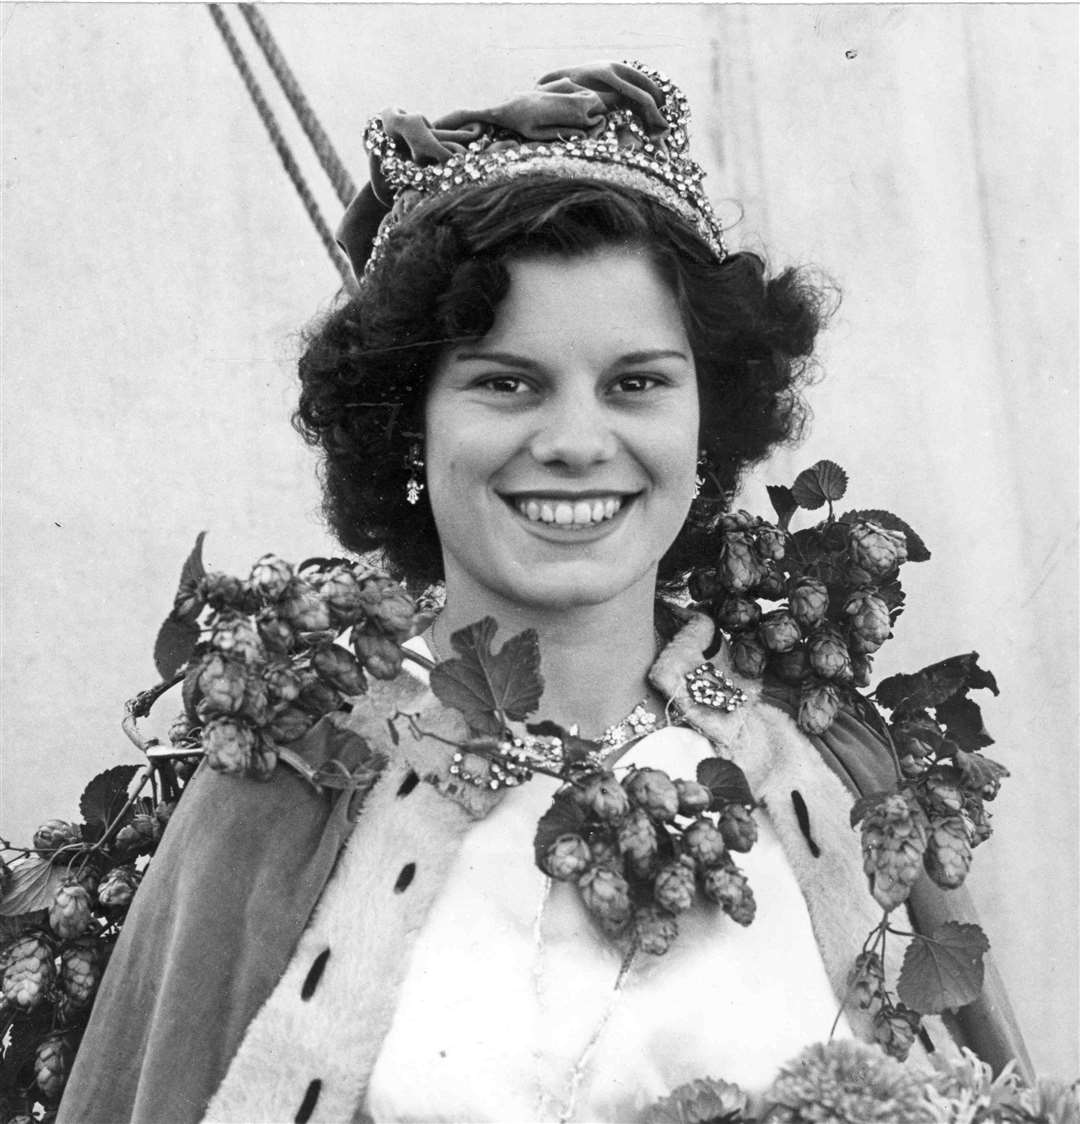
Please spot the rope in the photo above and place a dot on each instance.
(280, 144)
(324, 149)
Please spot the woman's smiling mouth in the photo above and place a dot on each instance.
(568, 513)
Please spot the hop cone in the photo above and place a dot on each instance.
(142, 832)
(607, 896)
(637, 840)
(738, 827)
(748, 654)
(341, 591)
(222, 683)
(654, 929)
(54, 834)
(738, 567)
(282, 684)
(317, 697)
(703, 842)
(303, 608)
(869, 617)
(778, 631)
(223, 591)
(379, 654)
(875, 549)
(80, 970)
(866, 980)
(818, 705)
(270, 576)
(181, 730)
(654, 791)
(770, 585)
(235, 635)
(118, 887)
(29, 970)
(604, 797)
(737, 521)
(388, 607)
(894, 836)
(228, 743)
(943, 793)
(895, 1029)
(735, 613)
(808, 602)
(729, 887)
(567, 858)
(264, 757)
(673, 887)
(339, 668)
(917, 737)
(276, 634)
(51, 1064)
(69, 914)
(604, 851)
(289, 724)
(772, 543)
(828, 654)
(704, 1101)
(948, 852)
(862, 667)
(981, 775)
(694, 797)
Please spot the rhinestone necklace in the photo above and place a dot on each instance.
(521, 755)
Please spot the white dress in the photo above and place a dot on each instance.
(510, 998)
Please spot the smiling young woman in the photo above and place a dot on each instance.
(547, 385)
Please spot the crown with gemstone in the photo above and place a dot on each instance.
(620, 149)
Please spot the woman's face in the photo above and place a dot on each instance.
(561, 448)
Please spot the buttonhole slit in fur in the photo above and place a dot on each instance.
(409, 783)
(311, 981)
(307, 1105)
(405, 877)
(803, 816)
(926, 1040)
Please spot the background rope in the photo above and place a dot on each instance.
(281, 145)
(322, 144)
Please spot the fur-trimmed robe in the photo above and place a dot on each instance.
(203, 1013)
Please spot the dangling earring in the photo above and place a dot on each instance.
(416, 467)
(699, 479)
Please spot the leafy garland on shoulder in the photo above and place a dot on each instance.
(261, 660)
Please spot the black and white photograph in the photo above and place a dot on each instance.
(539, 563)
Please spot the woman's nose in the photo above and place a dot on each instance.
(575, 430)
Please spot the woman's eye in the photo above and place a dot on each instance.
(634, 384)
(504, 384)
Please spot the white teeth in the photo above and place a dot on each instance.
(564, 513)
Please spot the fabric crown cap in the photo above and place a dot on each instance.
(622, 123)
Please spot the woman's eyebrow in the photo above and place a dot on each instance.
(506, 358)
(510, 359)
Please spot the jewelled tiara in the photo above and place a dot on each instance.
(620, 123)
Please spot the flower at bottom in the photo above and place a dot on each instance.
(848, 1082)
(706, 1101)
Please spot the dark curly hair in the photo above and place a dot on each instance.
(440, 280)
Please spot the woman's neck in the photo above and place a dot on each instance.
(594, 658)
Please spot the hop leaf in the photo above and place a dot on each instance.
(564, 817)
(32, 886)
(481, 683)
(784, 503)
(106, 794)
(931, 686)
(725, 780)
(823, 481)
(176, 640)
(944, 970)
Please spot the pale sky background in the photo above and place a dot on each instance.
(158, 267)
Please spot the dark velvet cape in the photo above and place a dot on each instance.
(229, 892)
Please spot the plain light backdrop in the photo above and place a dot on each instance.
(158, 267)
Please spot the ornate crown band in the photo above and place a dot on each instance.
(621, 123)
